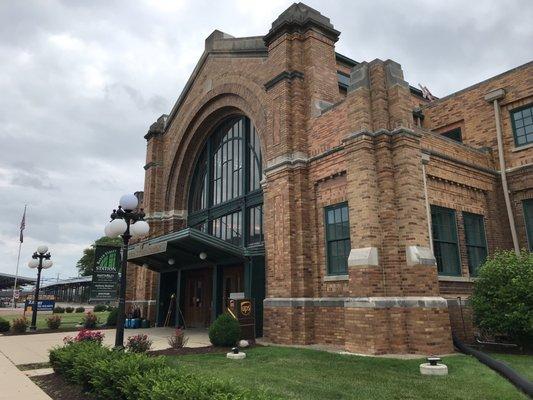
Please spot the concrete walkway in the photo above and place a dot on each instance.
(16, 385)
(27, 349)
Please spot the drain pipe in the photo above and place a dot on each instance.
(425, 161)
(494, 97)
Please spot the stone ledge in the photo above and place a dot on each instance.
(357, 302)
(336, 278)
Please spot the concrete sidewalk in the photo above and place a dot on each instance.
(27, 349)
(16, 385)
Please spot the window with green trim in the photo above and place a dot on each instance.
(522, 121)
(528, 216)
(476, 243)
(445, 243)
(454, 134)
(338, 245)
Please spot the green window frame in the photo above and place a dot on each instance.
(522, 122)
(476, 241)
(527, 206)
(338, 244)
(454, 134)
(445, 242)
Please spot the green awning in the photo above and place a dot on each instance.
(184, 247)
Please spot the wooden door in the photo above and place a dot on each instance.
(232, 281)
(197, 298)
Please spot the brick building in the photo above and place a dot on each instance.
(350, 208)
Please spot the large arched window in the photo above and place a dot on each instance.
(225, 198)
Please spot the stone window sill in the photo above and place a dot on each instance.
(524, 147)
(335, 278)
(444, 278)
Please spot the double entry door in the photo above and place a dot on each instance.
(197, 297)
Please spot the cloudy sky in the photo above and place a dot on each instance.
(81, 81)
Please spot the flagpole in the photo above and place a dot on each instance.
(22, 227)
(16, 275)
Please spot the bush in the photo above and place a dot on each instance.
(58, 310)
(19, 325)
(118, 375)
(4, 325)
(90, 320)
(138, 343)
(225, 331)
(178, 339)
(503, 296)
(85, 335)
(80, 309)
(112, 317)
(100, 308)
(53, 321)
(69, 310)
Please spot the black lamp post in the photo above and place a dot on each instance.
(40, 259)
(127, 223)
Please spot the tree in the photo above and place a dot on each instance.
(86, 262)
(503, 296)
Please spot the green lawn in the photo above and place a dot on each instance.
(523, 364)
(67, 320)
(310, 374)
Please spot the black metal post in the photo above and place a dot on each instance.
(33, 325)
(121, 316)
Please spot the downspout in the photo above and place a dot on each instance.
(494, 97)
(425, 161)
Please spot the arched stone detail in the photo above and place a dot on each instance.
(223, 101)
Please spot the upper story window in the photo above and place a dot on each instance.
(225, 197)
(445, 243)
(522, 121)
(476, 243)
(454, 134)
(337, 225)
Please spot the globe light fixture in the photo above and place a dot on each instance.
(126, 222)
(202, 255)
(40, 260)
(171, 261)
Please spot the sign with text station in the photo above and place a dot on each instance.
(105, 273)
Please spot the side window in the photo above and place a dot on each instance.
(476, 243)
(445, 244)
(528, 216)
(522, 121)
(337, 227)
(454, 134)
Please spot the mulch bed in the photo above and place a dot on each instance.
(189, 350)
(58, 389)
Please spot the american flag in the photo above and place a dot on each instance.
(22, 225)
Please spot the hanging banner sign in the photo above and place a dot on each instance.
(104, 286)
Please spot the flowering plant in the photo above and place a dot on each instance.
(90, 320)
(85, 335)
(53, 321)
(178, 340)
(139, 343)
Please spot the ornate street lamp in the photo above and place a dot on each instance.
(40, 259)
(127, 223)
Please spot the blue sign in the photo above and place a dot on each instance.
(42, 305)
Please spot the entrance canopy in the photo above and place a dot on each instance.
(183, 248)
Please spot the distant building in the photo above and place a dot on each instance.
(73, 290)
(353, 210)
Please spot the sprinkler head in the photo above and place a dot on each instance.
(433, 360)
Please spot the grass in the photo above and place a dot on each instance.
(523, 364)
(68, 320)
(310, 374)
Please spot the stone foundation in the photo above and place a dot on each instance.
(367, 325)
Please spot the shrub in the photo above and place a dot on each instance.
(4, 325)
(503, 296)
(225, 331)
(100, 308)
(19, 325)
(85, 335)
(178, 339)
(112, 317)
(138, 343)
(53, 321)
(58, 310)
(90, 320)
(69, 310)
(80, 309)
